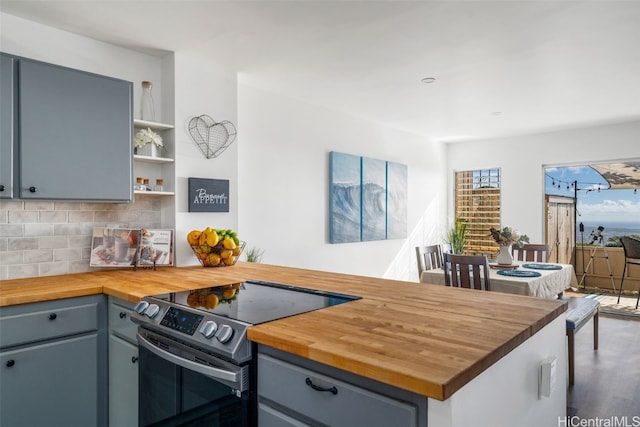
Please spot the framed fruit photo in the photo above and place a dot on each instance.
(215, 247)
(114, 247)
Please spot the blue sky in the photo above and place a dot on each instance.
(604, 206)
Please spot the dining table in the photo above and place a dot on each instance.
(544, 280)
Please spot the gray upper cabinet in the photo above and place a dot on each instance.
(74, 134)
(7, 100)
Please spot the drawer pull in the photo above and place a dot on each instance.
(1, 187)
(134, 359)
(53, 316)
(123, 314)
(10, 363)
(33, 189)
(332, 390)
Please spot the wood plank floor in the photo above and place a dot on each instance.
(607, 381)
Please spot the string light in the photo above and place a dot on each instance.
(571, 185)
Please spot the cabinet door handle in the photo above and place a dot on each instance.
(134, 359)
(332, 390)
(10, 363)
(32, 189)
(53, 316)
(123, 314)
(1, 187)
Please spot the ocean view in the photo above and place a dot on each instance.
(610, 229)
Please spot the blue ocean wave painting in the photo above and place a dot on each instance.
(345, 210)
(397, 180)
(368, 199)
(345, 195)
(374, 206)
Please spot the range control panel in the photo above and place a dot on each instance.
(209, 332)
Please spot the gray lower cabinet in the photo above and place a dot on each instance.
(123, 365)
(72, 133)
(7, 125)
(293, 391)
(53, 364)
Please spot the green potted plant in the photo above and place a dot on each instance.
(254, 254)
(457, 236)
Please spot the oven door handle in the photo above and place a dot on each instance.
(209, 371)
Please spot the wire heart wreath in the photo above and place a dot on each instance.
(211, 137)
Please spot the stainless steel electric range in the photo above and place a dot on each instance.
(196, 364)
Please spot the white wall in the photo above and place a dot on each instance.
(522, 159)
(284, 185)
(201, 87)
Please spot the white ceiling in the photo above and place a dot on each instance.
(501, 67)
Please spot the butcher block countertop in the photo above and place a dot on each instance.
(430, 340)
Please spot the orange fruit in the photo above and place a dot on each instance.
(211, 301)
(202, 239)
(193, 238)
(229, 260)
(213, 259)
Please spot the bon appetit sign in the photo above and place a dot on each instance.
(208, 195)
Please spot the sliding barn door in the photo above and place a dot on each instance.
(561, 228)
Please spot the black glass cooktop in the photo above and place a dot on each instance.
(256, 302)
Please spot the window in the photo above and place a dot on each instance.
(477, 201)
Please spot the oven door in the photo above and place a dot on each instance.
(181, 386)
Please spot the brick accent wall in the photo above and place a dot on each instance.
(50, 238)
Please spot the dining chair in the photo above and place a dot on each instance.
(631, 248)
(429, 258)
(531, 252)
(467, 271)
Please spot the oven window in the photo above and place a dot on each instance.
(174, 396)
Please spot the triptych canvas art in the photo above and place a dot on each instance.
(368, 199)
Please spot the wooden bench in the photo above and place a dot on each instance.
(579, 311)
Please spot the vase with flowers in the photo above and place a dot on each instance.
(147, 143)
(507, 237)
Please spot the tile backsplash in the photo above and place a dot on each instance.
(49, 238)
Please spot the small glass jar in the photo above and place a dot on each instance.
(139, 183)
(159, 184)
(146, 185)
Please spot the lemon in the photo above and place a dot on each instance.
(212, 238)
(228, 243)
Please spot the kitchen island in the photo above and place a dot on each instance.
(474, 355)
